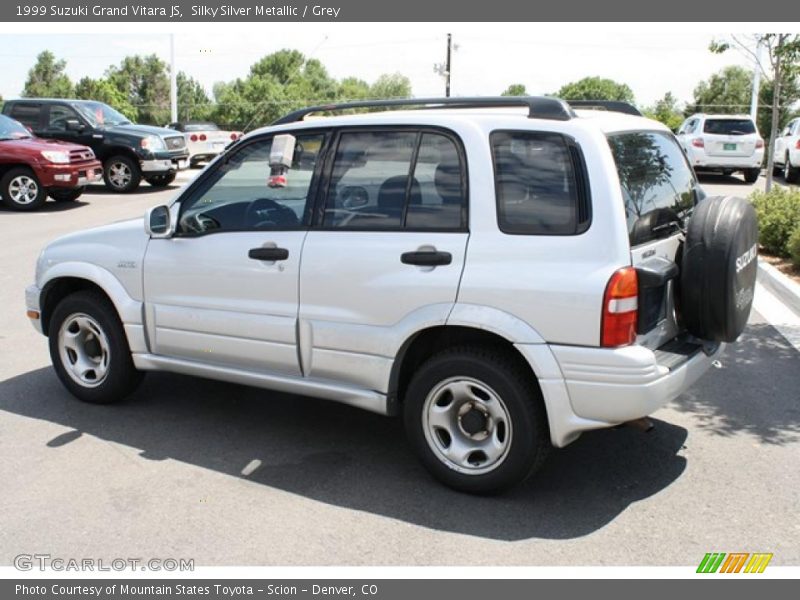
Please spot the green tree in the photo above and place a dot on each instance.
(390, 86)
(666, 111)
(193, 101)
(596, 88)
(353, 88)
(727, 91)
(103, 91)
(144, 81)
(47, 78)
(515, 89)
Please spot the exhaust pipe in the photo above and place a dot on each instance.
(643, 424)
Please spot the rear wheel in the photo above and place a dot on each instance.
(751, 175)
(21, 190)
(475, 418)
(89, 350)
(66, 195)
(790, 174)
(121, 174)
(161, 180)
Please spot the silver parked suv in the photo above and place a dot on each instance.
(505, 273)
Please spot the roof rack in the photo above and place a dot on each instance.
(539, 107)
(609, 105)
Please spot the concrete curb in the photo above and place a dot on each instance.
(786, 290)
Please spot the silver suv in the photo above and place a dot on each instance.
(505, 273)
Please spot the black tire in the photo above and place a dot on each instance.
(21, 190)
(121, 174)
(161, 180)
(66, 195)
(751, 175)
(718, 272)
(790, 173)
(121, 378)
(528, 441)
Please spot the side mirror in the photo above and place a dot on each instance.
(160, 221)
(74, 125)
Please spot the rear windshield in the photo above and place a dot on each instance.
(658, 185)
(729, 126)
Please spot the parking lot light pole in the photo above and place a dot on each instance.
(173, 81)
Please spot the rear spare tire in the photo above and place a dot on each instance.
(718, 274)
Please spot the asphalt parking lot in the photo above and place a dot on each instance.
(229, 475)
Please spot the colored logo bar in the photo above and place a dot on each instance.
(734, 562)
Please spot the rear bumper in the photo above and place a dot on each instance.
(701, 160)
(69, 175)
(617, 385)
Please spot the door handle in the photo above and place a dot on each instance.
(426, 258)
(268, 253)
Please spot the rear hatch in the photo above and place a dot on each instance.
(729, 136)
(660, 190)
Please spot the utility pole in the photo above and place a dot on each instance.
(756, 84)
(173, 80)
(776, 103)
(447, 65)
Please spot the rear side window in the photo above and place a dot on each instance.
(539, 184)
(729, 126)
(658, 185)
(27, 114)
(393, 180)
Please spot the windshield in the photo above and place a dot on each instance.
(12, 130)
(100, 115)
(200, 127)
(729, 126)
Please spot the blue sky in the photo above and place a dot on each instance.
(485, 62)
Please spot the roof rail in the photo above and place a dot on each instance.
(609, 105)
(539, 107)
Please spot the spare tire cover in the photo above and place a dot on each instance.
(718, 272)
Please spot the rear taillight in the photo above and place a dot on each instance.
(234, 136)
(797, 144)
(698, 143)
(759, 143)
(193, 138)
(202, 137)
(620, 309)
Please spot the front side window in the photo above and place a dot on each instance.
(537, 187)
(58, 117)
(658, 185)
(389, 180)
(237, 197)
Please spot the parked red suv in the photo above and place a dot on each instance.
(32, 168)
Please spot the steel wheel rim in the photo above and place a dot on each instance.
(84, 350)
(474, 444)
(23, 189)
(119, 174)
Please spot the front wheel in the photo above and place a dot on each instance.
(161, 180)
(475, 418)
(751, 175)
(121, 174)
(21, 190)
(66, 195)
(89, 350)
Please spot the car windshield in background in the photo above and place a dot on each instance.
(658, 185)
(12, 130)
(100, 115)
(200, 127)
(729, 127)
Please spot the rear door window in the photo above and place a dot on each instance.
(27, 114)
(658, 185)
(729, 127)
(539, 185)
